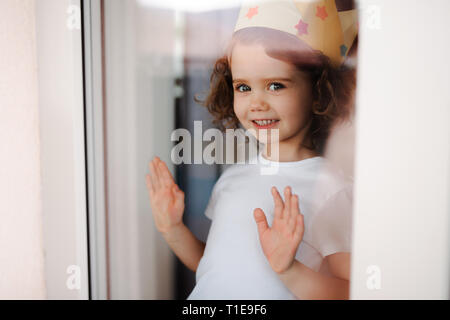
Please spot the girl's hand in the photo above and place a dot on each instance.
(280, 242)
(166, 199)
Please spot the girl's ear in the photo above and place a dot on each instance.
(316, 108)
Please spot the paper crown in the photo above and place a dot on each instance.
(326, 25)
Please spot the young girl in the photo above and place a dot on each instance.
(270, 79)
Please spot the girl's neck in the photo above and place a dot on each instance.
(287, 153)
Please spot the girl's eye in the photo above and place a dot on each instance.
(273, 86)
(243, 87)
(276, 86)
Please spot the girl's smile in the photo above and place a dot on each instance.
(265, 123)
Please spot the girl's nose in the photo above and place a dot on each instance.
(258, 104)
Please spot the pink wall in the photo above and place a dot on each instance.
(21, 232)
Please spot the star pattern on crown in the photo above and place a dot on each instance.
(322, 12)
(251, 12)
(302, 27)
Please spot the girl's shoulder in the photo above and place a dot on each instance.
(330, 181)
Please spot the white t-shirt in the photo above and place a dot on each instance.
(233, 265)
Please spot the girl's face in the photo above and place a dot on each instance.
(270, 93)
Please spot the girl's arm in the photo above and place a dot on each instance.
(280, 243)
(306, 283)
(339, 264)
(167, 202)
(185, 245)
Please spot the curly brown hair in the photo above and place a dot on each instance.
(332, 86)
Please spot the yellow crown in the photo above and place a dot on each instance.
(326, 25)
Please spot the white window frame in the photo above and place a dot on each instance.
(401, 247)
(94, 107)
(62, 143)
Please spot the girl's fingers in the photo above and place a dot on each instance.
(154, 175)
(287, 203)
(279, 206)
(261, 221)
(299, 228)
(166, 177)
(179, 197)
(148, 182)
(295, 205)
(294, 213)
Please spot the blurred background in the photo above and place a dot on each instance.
(90, 92)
